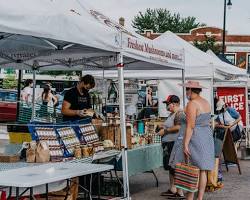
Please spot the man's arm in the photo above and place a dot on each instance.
(66, 105)
(67, 111)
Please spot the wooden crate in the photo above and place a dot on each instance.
(107, 133)
(98, 124)
(118, 138)
(9, 158)
(113, 133)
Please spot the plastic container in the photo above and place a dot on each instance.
(141, 128)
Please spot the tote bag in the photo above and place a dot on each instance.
(186, 177)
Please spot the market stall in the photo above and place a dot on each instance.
(53, 36)
(204, 66)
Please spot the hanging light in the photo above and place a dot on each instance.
(229, 4)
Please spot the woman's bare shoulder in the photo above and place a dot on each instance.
(191, 105)
(205, 105)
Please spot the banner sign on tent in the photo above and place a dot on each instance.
(235, 98)
(149, 48)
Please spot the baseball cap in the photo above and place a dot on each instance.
(220, 105)
(172, 99)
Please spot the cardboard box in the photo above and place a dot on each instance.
(60, 195)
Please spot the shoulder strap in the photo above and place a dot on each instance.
(224, 118)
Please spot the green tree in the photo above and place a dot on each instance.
(208, 43)
(9, 82)
(161, 20)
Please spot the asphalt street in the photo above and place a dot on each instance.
(236, 187)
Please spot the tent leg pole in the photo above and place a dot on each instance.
(212, 101)
(18, 93)
(123, 126)
(183, 88)
(247, 117)
(33, 96)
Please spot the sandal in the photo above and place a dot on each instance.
(177, 196)
(168, 193)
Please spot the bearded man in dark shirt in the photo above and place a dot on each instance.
(77, 103)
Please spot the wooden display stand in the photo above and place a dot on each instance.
(113, 133)
(229, 151)
(98, 124)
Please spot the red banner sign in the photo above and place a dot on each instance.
(234, 97)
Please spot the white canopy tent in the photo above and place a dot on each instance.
(199, 65)
(65, 35)
(237, 74)
(199, 61)
(54, 32)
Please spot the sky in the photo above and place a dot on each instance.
(209, 12)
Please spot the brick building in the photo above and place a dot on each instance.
(237, 46)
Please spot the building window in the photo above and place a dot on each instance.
(248, 63)
(28, 71)
(231, 58)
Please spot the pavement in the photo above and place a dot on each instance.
(236, 187)
(143, 186)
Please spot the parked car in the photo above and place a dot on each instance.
(8, 105)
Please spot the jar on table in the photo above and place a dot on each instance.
(85, 151)
(78, 153)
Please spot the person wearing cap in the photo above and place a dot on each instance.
(195, 141)
(227, 117)
(169, 133)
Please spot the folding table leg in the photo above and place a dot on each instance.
(47, 191)
(99, 185)
(90, 189)
(85, 183)
(31, 193)
(118, 179)
(156, 178)
(17, 193)
(68, 188)
(10, 193)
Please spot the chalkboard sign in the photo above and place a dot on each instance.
(229, 151)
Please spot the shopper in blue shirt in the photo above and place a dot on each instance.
(227, 117)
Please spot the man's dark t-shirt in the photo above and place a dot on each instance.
(77, 101)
